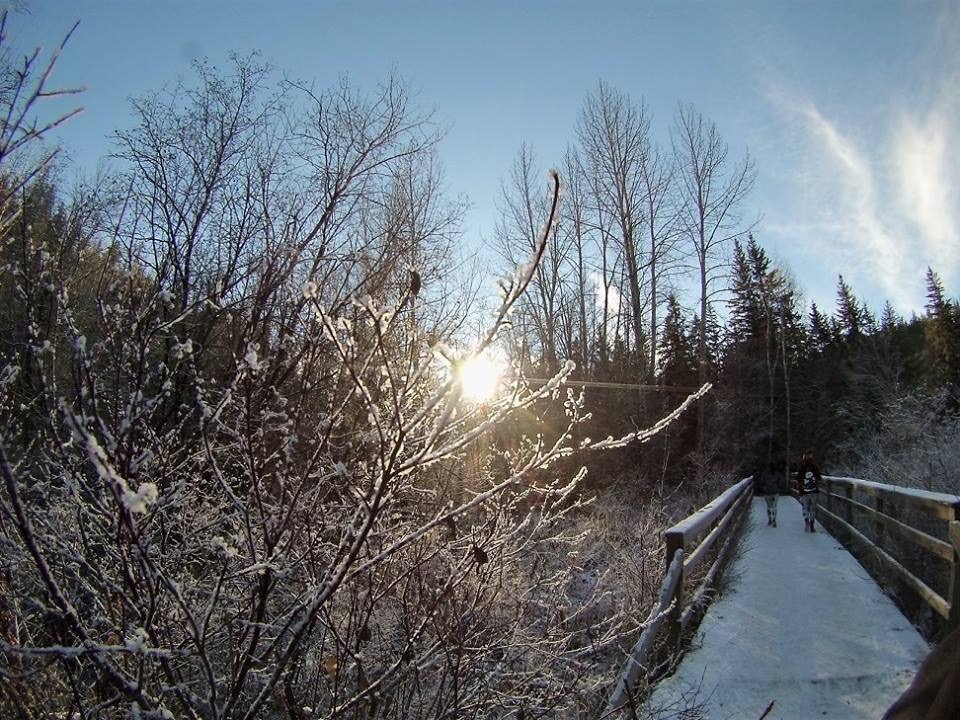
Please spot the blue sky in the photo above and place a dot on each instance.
(850, 109)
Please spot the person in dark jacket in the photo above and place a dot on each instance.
(808, 487)
(768, 485)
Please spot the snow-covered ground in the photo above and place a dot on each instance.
(804, 626)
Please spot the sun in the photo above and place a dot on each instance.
(479, 377)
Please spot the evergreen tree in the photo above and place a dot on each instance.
(868, 321)
(849, 316)
(821, 331)
(942, 333)
(937, 304)
(889, 318)
(789, 320)
(768, 283)
(714, 341)
(678, 363)
(744, 303)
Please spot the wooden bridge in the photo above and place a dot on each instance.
(802, 630)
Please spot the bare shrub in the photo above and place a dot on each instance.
(237, 463)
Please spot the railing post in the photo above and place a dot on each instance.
(830, 502)
(848, 511)
(878, 526)
(954, 532)
(674, 542)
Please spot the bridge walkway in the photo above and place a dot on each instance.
(803, 626)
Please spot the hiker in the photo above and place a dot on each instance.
(768, 485)
(808, 486)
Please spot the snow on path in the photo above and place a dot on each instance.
(804, 626)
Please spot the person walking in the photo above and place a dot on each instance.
(808, 488)
(769, 486)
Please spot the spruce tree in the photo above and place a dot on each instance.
(678, 363)
(849, 316)
(744, 303)
(942, 333)
(889, 318)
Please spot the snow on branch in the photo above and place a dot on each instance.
(642, 436)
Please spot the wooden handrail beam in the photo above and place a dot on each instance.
(939, 505)
(941, 606)
(696, 525)
(699, 598)
(698, 553)
(934, 545)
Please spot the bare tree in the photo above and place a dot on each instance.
(711, 190)
(576, 226)
(608, 258)
(659, 219)
(613, 135)
(24, 88)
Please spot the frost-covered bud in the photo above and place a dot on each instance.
(137, 643)
(251, 359)
(223, 547)
(180, 350)
(139, 501)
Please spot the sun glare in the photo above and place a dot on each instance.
(480, 376)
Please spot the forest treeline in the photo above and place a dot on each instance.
(653, 279)
(239, 477)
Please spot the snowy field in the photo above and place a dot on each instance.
(804, 627)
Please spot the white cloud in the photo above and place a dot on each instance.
(613, 303)
(872, 182)
(927, 185)
(880, 204)
(852, 216)
(613, 297)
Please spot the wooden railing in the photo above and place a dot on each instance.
(857, 507)
(688, 544)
